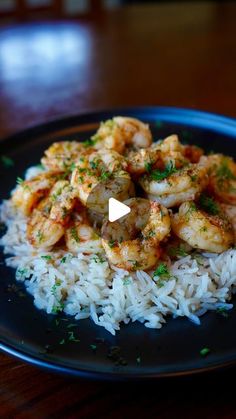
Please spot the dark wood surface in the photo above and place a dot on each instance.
(175, 54)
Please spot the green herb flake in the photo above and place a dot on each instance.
(94, 164)
(204, 351)
(112, 243)
(99, 259)
(74, 234)
(62, 342)
(63, 260)
(71, 325)
(39, 236)
(126, 281)
(223, 311)
(7, 162)
(193, 178)
(105, 175)
(224, 174)
(162, 271)
(93, 347)
(177, 251)
(148, 166)
(163, 174)
(72, 337)
(46, 257)
(208, 204)
(57, 309)
(19, 180)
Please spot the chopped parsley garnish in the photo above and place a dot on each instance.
(223, 311)
(99, 259)
(163, 174)
(74, 234)
(94, 164)
(89, 143)
(21, 272)
(205, 351)
(19, 180)
(57, 308)
(46, 257)
(54, 287)
(209, 205)
(162, 270)
(111, 243)
(63, 260)
(93, 347)
(177, 251)
(148, 166)
(69, 326)
(193, 178)
(7, 162)
(224, 173)
(105, 175)
(39, 236)
(72, 337)
(135, 264)
(126, 281)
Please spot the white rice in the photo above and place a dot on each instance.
(85, 286)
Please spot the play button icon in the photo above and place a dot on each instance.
(116, 210)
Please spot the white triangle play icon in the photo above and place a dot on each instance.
(116, 210)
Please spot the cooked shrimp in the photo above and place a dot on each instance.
(81, 237)
(202, 230)
(133, 242)
(62, 198)
(160, 154)
(172, 187)
(222, 178)
(119, 132)
(42, 232)
(230, 211)
(29, 192)
(63, 155)
(101, 177)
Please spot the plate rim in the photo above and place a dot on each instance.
(214, 121)
(191, 117)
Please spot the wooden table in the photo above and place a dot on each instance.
(175, 54)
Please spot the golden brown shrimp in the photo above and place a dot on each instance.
(48, 221)
(43, 232)
(121, 132)
(230, 211)
(62, 199)
(203, 230)
(81, 237)
(29, 192)
(160, 154)
(222, 177)
(63, 155)
(133, 242)
(171, 187)
(100, 177)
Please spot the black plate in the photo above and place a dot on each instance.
(136, 352)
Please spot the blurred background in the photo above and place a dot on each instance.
(63, 57)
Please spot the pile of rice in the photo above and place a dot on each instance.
(86, 286)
